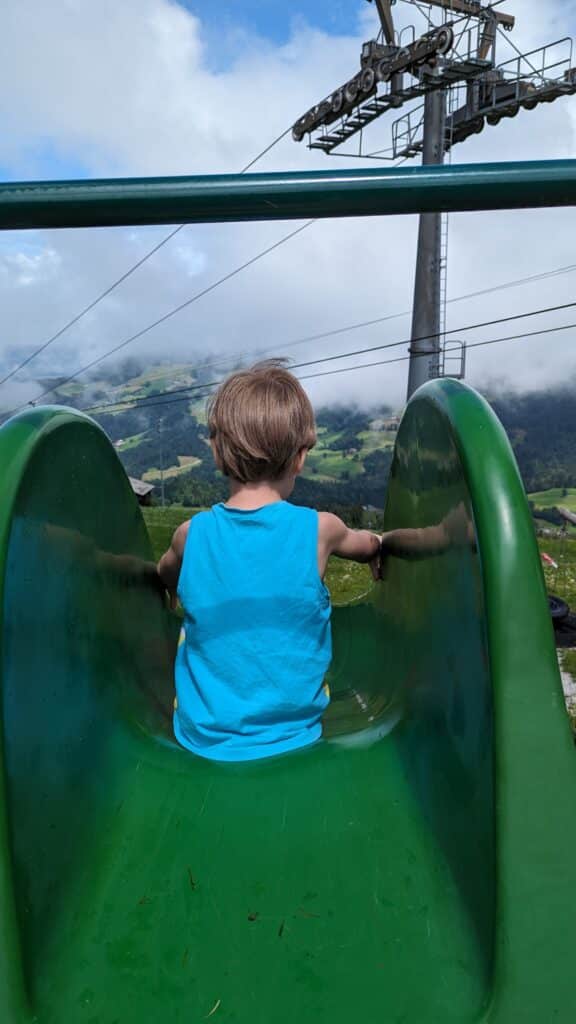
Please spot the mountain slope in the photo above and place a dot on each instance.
(351, 460)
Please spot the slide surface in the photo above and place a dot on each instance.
(417, 870)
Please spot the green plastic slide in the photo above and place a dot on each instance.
(416, 867)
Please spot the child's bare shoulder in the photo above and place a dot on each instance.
(331, 529)
(179, 537)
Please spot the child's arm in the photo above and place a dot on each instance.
(430, 540)
(170, 564)
(455, 530)
(335, 538)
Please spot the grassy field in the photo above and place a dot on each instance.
(331, 465)
(376, 440)
(129, 442)
(186, 462)
(161, 523)
(325, 463)
(345, 580)
(555, 496)
(561, 581)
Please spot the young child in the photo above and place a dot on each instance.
(256, 642)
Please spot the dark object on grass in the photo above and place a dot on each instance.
(565, 632)
(559, 610)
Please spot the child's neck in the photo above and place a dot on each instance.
(256, 495)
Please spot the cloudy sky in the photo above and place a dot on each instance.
(159, 87)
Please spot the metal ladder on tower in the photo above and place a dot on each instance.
(452, 361)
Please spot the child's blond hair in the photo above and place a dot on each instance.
(259, 420)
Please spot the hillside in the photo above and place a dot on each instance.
(542, 428)
(348, 466)
(351, 461)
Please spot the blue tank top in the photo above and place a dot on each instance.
(256, 642)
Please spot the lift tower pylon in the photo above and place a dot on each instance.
(452, 68)
(427, 310)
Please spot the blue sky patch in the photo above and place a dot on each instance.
(273, 19)
(45, 162)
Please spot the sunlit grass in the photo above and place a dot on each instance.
(561, 581)
(347, 580)
(555, 496)
(186, 463)
(129, 442)
(161, 523)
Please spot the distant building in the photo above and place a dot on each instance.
(385, 423)
(142, 490)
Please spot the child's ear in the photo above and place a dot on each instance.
(300, 460)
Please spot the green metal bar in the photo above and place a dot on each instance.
(294, 196)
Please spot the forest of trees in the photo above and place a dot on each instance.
(542, 428)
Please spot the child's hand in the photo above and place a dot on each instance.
(377, 564)
(172, 598)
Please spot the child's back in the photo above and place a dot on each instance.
(256, 639)
(256, 646)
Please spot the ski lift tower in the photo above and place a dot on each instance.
(452, 67)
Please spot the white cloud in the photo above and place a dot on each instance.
(128, 89)
(28, 266)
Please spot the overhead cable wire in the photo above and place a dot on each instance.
(533, 278)
(123, 277)
(183, 305)
(208, 388)
(91, 305)
(147, 401)
(143, 260)
(476, 344)
(263, 152)
(167, 316)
